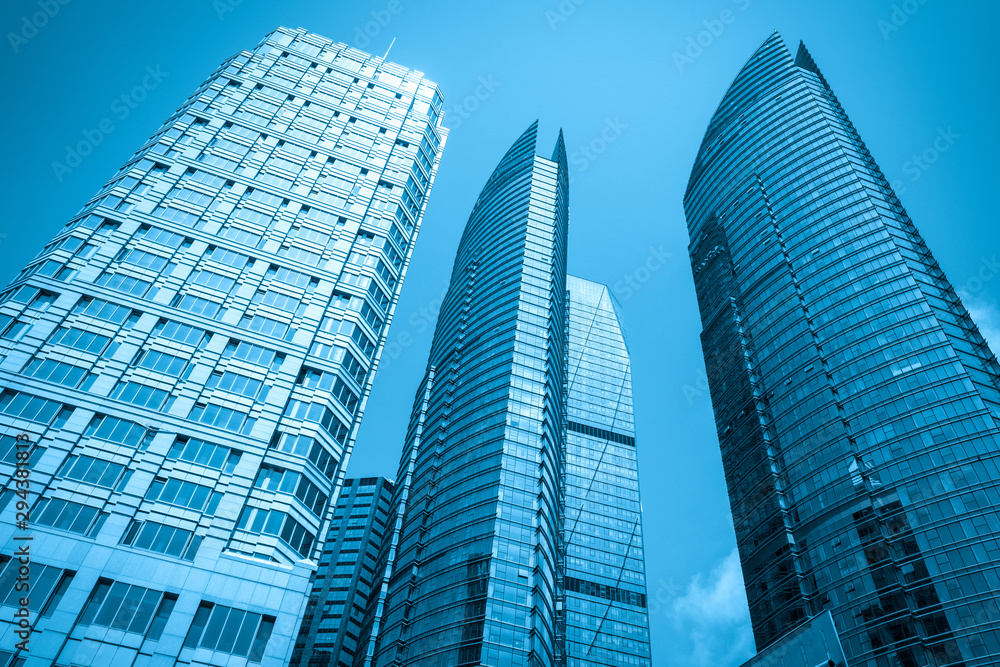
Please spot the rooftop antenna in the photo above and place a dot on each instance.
(389, 49)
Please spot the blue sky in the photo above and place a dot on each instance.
(633, 97)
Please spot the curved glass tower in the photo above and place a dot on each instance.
(857, 404)
(478, 538)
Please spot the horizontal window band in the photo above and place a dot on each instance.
(602, 433)
(605, 592)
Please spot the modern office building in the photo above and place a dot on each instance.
(370, 633)
(516, 536)
(605, 620)
(479, 542)
(331, 626)
(856, 402)
(184, 367)
(812, 644)
(605, 574)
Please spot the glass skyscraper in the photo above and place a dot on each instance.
(479, 545)
(515, 533)
(605, 574)
(331, 626)
(602, 569)
(184, 367)
(814, 643)
(856, 402)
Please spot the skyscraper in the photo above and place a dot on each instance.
(331, 626)
(856, 401)
(605, 618)
(605, 576)
(479, 543)
(186, 364)
(517, 536)
(811, 644)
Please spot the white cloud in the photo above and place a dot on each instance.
(986, 316)
(713, 613)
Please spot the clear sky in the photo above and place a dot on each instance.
(633, 103)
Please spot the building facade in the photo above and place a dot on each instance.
(184, 367)
(605, 573)
(331, 626)
(516, 535)
(813, 644)
(856, 402)
(478, 544)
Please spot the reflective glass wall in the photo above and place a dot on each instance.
(605, 573)
(331, 627)
(185, 365)
(856, 402)
(478, 541)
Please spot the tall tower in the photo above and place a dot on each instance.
(605, 574)
(474, 579)
(331, 626)
(856, 402)
(184, 367)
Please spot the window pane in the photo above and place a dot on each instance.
(83, 519)
(110, 607)
(199, 497)
(65, 518)
(110, 475)
(128, 608)
(97, 468)
(160, 620)
(96, 599)
(146, 536)
(80, 466)
(177, 542)
(260, 641)
(215, 625)
(198, 625)
(53, 603)
(42, 586)
(247, 632)
(184, 493)
(169, 492)
(7, 582)
(162, 539)
(230, 631)
(144, 611)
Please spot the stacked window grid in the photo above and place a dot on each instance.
(482, 464)
(331, 632)
(606, 607)
(181, 302)
(855, 399)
